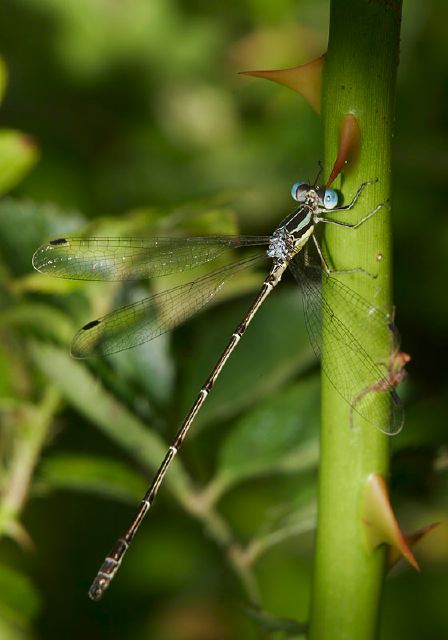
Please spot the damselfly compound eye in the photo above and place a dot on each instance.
(330, 199)
(299, 191)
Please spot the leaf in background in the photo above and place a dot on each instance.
(272, 350)
(16, 377)
(302, 507)
(92, 36)
(19, 600)
(18, 154)
(279, 436)
(149, 365)
(25, 225)
(101, 476)
(156, 550)
(42, 319)
(204, 217)
(10, 631)
(86, 394)
(419, 416)
(287, 628)
(34, 282)
(3, 78)
(8, 373)
(286, 521)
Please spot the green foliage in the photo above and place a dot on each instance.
(3, 78)
(280, 435)
(280, 627)
(91, 474)
(18, 154)
(86, 393)
(25, 225)
(19, 602)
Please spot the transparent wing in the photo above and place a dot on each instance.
(359, 376)
(144, 320)
(132, 258)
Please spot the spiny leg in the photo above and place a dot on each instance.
(361, 188)
(347, 225)
(332, 272)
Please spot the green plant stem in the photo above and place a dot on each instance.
(33, 426)
(359, 78)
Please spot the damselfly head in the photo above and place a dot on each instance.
(299, 191)
(327, 198)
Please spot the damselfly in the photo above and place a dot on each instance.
(357, 374)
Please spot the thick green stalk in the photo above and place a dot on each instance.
(359, 78)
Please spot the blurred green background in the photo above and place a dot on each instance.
(129, 118)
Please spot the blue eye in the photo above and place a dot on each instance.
(330, 199)
(299, 191)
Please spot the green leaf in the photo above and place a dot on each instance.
(285, 627)
(25, 225)
(89, 40)
(279, 436)
(150, 366)
(204, 217)
(101, 476)
(86, 394)
(19, 600)
(8, 374)
(18, 154)
(415, 432)
(44, 320)
(149, 568)
(10, 631)
(287, 521)
(3, 78)
(272, 350)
